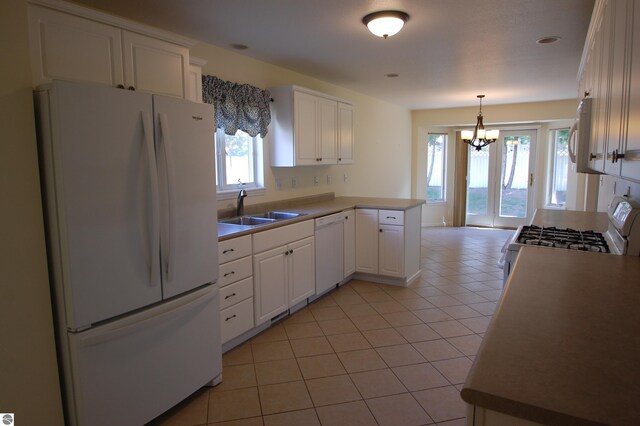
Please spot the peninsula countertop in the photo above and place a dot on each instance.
(563, 346)
(311, 210)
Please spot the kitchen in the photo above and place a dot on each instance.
(394, 180)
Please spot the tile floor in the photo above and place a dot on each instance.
(366, 354)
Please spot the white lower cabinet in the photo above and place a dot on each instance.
(236, 287)
(284, 269)
(388, 243)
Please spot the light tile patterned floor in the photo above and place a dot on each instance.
(366, 354)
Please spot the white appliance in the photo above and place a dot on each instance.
(580, 137)
(621, 238)
(129, 193)
(329, 252)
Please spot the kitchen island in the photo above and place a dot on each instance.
(563, 345)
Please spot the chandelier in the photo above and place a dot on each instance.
(479, 137)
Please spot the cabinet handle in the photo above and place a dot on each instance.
(120, 86)
(227, 251)
(615, 156)
(391, 217)
(131, 88)
(231, 317)
(229, 273)
(339, 159)
(381, 230)
(229, 296)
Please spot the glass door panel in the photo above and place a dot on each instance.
(479, 188)
(516, 165)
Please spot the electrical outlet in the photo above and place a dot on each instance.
(293, 182)
(278, 184)
(328, 179)
(316, 180)
(345, 177)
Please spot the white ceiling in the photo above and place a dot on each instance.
(448, 52)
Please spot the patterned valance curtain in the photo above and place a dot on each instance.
(237, 106)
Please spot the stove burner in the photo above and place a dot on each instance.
(563, 238)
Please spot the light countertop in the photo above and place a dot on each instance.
(311, 210)
(564, 344)
(581, 221)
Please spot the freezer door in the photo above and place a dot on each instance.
(130, 371)
(96, 143)
(186, 170)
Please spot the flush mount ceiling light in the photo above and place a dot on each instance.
(479, 137)
(385, 23)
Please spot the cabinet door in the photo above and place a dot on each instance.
(619, 76)
(302, 272)
(631, 162)
(328, 131)
(195, 83)
(269, 284)
(157, 66)
(349, 243)
(68, 47)
(367, 241)
(391, 250)
(345, 133)
(601, 92)
(305, 123)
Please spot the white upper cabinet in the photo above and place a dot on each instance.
(345, 133)
(70, 42)
(194, 85)
(72, 48)
(156, 66)
(308, 128)
(631, 162)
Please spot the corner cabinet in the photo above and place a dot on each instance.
(70, 42)
(310, 128)
(284, 269)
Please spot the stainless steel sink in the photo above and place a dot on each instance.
(259, 218)
(248, 220)
(277, 215)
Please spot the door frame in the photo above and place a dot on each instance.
(492, 217)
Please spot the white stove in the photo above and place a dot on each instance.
(621, 238)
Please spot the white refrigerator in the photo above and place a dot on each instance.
(130, 206)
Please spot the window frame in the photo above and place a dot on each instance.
(552, 169)
(228, 190)
(443, 199)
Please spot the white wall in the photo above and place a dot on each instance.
(382, 166)
(29, 385)
(542, 115)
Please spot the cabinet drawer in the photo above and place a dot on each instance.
(234, 249)
(272, 238)
(237, 270)
(391, 217)
(234, 293)
(236, 319)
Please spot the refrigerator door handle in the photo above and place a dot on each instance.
(146, 319)
(155, 207)
(169, 231)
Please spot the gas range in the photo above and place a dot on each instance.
(621, 238)
(563, 238)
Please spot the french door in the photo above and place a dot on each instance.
(500, 181)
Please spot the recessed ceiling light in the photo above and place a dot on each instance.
(238, 46)
(547, 40)
(391, 75)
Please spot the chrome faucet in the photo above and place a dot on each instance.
(240, 208)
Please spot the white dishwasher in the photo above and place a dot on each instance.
(329, 252)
